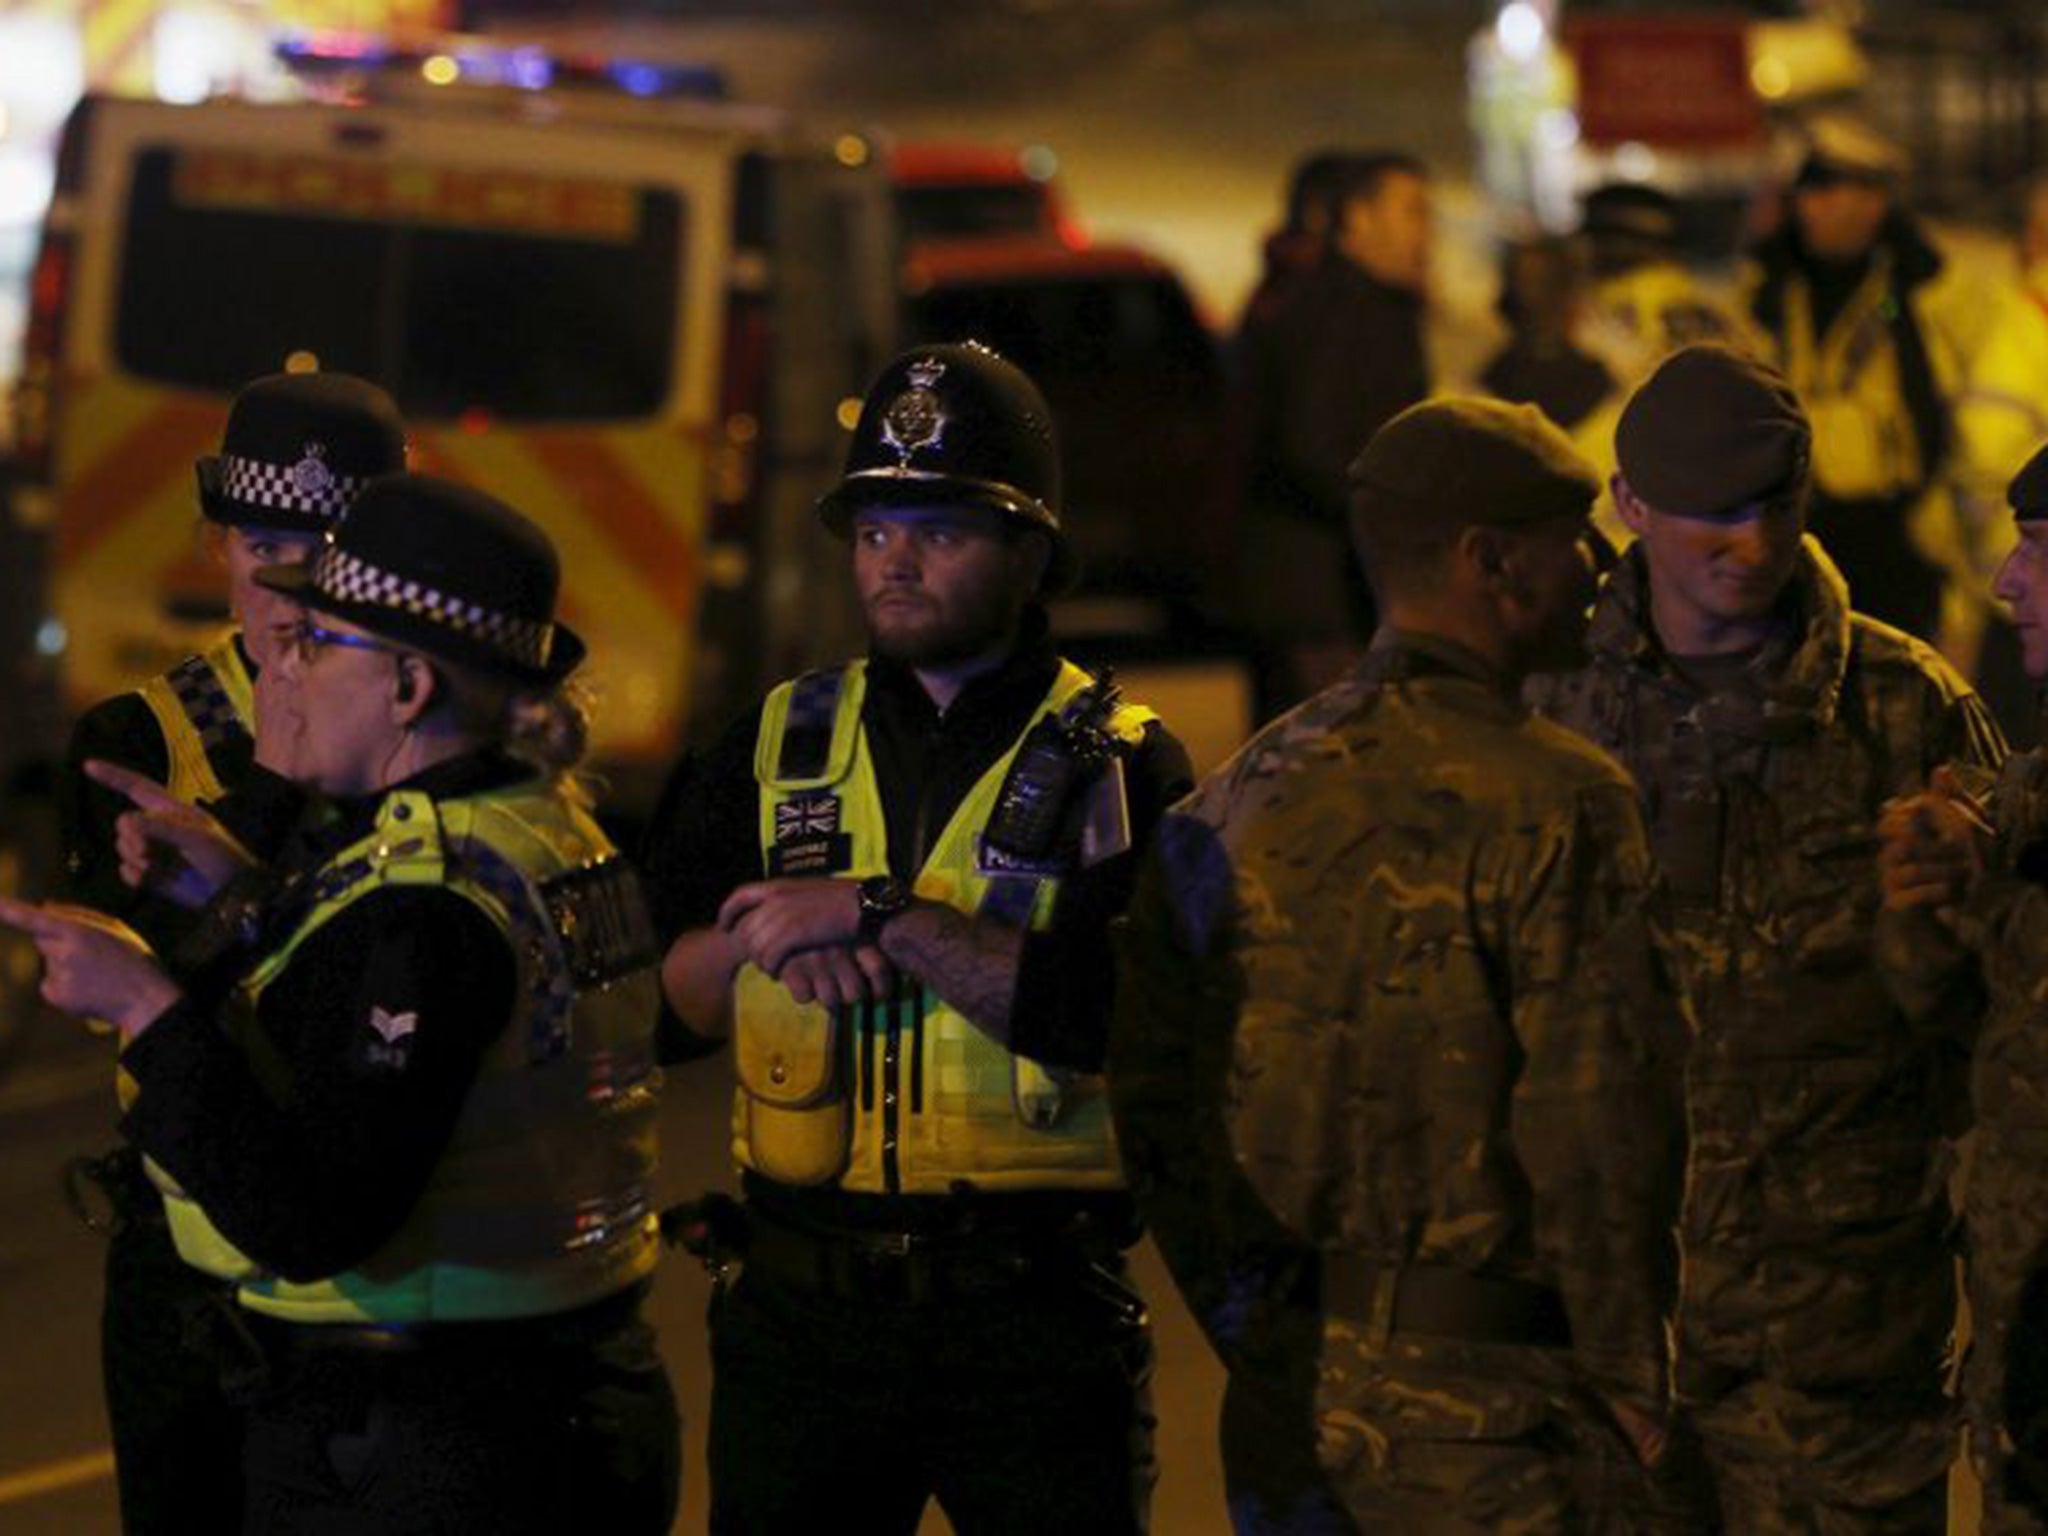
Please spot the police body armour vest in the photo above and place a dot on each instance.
(542, 1200)
(205, 703)
(903, 1095)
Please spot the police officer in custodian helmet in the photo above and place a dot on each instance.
(891, 884)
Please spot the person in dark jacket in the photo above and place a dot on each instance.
(1344, 354)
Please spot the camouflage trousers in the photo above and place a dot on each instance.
(1448, 1439)
(1791, 1463)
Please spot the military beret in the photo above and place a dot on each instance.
(1710, 430)
(1482, 461)
(2028, 493)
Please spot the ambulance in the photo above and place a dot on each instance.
(641, 314)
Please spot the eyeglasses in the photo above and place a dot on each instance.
(308, 640)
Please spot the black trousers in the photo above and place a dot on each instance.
(177, 1438)
(1026, 1409)
(517, 1430)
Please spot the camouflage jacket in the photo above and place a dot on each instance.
(1816, 1104)
(1394, 984)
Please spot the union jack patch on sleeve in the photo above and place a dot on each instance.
(807, 838)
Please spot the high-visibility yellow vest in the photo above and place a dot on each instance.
(200, 705)
(1864, 445)
(905, 1095)
(542, 1200)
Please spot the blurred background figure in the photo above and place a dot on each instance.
(1343, 353)
(1847, 292)
(1296, 248)
(1643, 302)
(1542, 302)
(2001, 417)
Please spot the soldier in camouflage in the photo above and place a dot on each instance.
(1766, 725)
(1397, 1056)
(1969, 877)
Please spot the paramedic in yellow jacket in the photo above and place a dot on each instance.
(893, 884)
(403, 1097)
(296, 451)
(1850, 296)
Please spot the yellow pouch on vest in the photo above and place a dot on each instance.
(797, 1122)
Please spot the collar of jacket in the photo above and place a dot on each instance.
(1800, 672)
(1914, 261)
(1339, 272)
(1029, 668)
(472, 773)
(1397, 655)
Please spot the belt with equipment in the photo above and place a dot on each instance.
(1447, 1303)
(913, 1268)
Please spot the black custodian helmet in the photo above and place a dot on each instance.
(956, 425)
(298, 449)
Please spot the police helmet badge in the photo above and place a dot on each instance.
(310, 476)
(916, 419)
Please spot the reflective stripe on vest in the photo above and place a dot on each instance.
(904, 1094)
(1864, 445)
(542, 1199)
(203, 704)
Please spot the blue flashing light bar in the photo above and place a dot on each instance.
(524, 67)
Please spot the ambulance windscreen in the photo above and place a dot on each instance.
(522, 295)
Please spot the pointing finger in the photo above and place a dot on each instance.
(29, 918)
(138, 787)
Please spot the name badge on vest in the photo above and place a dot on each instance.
(807, 838)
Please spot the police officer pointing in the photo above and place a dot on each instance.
(893, 883)
(296, 451)
(409, 1102)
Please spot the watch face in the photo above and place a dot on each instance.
(883, 893)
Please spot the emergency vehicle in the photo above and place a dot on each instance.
(948, 193)
(1698, 99)
(1135, 380)
(643, 317)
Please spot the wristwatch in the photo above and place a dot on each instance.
(881, 898)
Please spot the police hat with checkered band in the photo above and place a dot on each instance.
(445, 570)
(956, 425)
(299, 447)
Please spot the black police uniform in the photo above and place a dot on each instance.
(884, 1348)
(367, 1430)
(177, 1438)
(410, 1081)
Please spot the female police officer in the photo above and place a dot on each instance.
(417, 1129)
